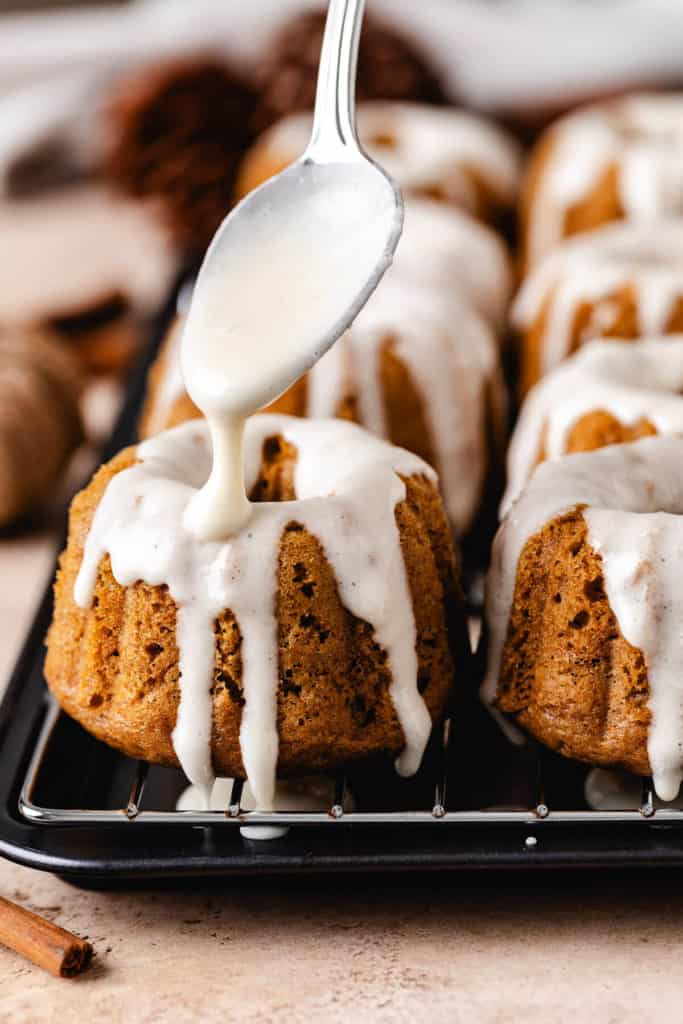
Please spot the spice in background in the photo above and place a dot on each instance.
(177, 132)
(390, 67)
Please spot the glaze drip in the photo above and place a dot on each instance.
(348, 486)
(592, 268)
(630, 380)
(452, 358)
(286, 274)
(632, 501)
(640, 136)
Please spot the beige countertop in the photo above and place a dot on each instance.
(478, 949)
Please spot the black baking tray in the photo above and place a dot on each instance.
(482, 771)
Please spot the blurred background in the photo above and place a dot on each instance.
(123, 127)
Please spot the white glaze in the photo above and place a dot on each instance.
(441, 250)
(286, 273)
(452, 359)
(348, 486)
(432, 149)
(629, 380)
(633, 498)
(641, 135)
(307, 794)
(608, 789)
(590, 268)
(299, 795)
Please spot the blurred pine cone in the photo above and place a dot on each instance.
(40, 419)
(389, 67)
(176, 134)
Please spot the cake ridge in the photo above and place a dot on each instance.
(348, 486)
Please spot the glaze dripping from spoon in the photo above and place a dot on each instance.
(286, 274)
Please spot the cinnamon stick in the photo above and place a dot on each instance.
(42, 942)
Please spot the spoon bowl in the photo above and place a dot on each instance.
(293, 264)
(269, 275)
(288, 271)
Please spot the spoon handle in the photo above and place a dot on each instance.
(334, 120)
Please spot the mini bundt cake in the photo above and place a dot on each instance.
(584, 609)
(174, 133)
(624, 281)
(40, 418)
(419, 370)
(440, 153)
(622, 160)
(610, 392)
(325, 630)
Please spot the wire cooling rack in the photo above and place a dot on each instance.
(156, 804)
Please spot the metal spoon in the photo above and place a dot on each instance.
(332, 162)
(286, 274)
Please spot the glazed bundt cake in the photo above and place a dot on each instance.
(420, 371)
(324, 631)
(584, 609)
(439, 153)
(622, 160)
(610, 392)
(624, 281)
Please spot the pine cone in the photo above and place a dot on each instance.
(389, 68)
(177, 132)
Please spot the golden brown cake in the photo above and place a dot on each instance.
(622, 160)
(584, 609)
(623, 281)
(40, 421)
(361, 622)
(609, 392)
(438, 153)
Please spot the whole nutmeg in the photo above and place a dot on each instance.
(176, 132)
(390, 67)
